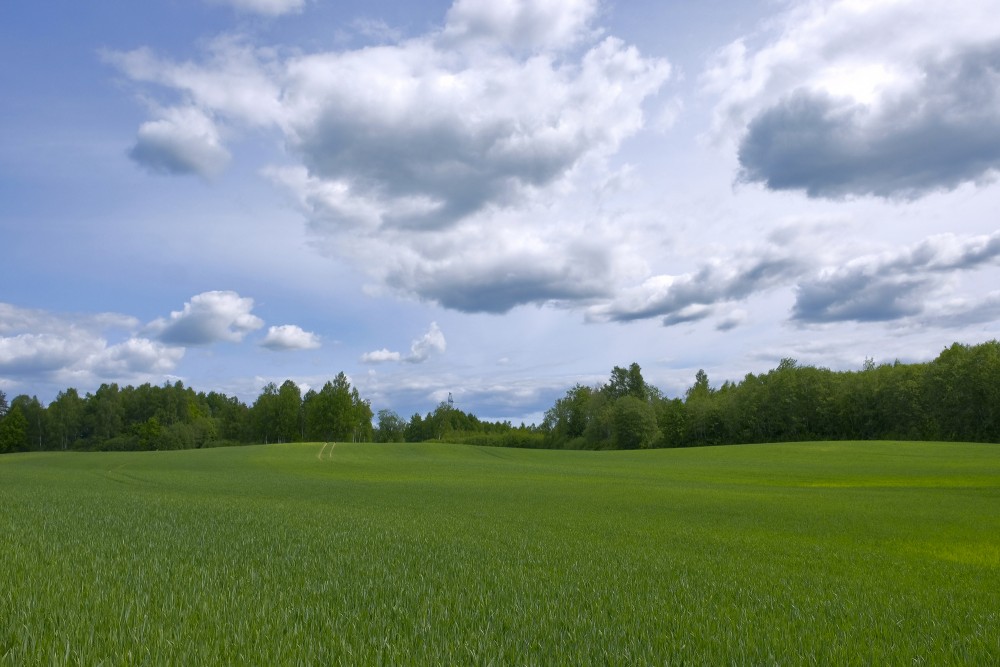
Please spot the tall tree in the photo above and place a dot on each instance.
(265, 413)
(66, 417)
(565, 423)
(700, 389)
(633, 424)
(288, 413)
(104, 415)
(36, 417)
(329, 413)
(231, 416)
(390, 427)
(627, 382)
(13, 431)
(361, 414)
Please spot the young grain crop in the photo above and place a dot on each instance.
(822, 553)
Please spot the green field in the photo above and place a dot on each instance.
(820, 553)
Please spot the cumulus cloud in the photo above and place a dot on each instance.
(888, 99)
(892, 285)
(431, 342)
(381, 356)
(56, 347)
(543, 252)
(208, 318)
(183, 141)
(234, 81)
(852, 294)
(290, 337)
(828, 282)
(420, 350)
(496, 277)
(410, 152)
(693, 296)
(135, 357)
(31, 353)
(426, 136)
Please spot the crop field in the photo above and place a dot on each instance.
(820, 553)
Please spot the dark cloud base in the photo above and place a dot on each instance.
(937, 137)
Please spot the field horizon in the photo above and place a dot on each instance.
(802, 553)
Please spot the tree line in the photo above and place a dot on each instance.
(173, 416)
(954, 397)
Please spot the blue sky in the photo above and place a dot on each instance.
(492, 199)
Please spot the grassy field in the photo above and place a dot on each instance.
(822, 553)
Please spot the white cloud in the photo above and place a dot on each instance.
(381, 356)
(31, 353)
(420, 350)
(135, 357)
(208, 318)
(893, 99)
(826, 279)
(426, 137)
(290, 337)
(411, 152)
(236, 81)
(691, 297)
(431, 342)
(75, 348)
(183, 141)
(553, 249)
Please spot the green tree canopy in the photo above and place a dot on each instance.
(13, 431)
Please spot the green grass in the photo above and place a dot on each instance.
(821, 553)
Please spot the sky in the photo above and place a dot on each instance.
(491, 199)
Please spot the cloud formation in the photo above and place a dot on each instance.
(381, 356)
(420, 350)
(827, 280)
(894, 100)
(892, 285)
(208, 318)
(290, 337)
(691, 297)
(183, 141)
(76, 348)
(417, 136)
(410, 152)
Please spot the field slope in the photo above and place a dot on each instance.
(819, 553)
